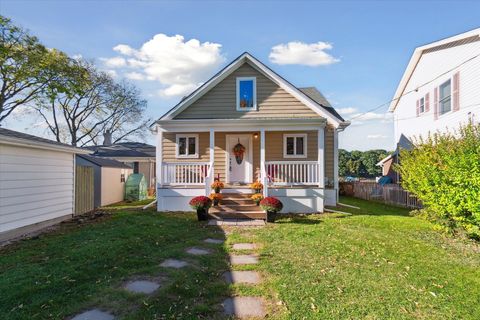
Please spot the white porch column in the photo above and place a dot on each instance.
(335, 162)
(211, 149)
(159, 158)
(263, 174)
(321, 157)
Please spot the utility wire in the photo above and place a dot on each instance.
(416, 89)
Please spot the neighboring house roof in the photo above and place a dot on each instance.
(460, 39)
(403, 144)
(20, 138)
(124, 150)
(104, 162)
(323, 109)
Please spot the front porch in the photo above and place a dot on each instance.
(294, 162)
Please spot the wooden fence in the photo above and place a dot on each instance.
(84, 189)
(388, 194)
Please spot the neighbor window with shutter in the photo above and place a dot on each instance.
(445, 97)
(187, 145)
(421, 105)
(295, 145)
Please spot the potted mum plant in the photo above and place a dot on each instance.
(201, 204)
(215, 197)
(257, 186)
(271, 206)
(257, 197)
(217, 185)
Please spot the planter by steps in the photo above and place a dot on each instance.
(202, 214)
(271, 206)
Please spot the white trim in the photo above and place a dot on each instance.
(335, 162)
(263, 173)
(269, 74)
(159, 159)
(321, 157)
(417, 54)
(187, 136)
(254, 80)
(249, 163)
(295, 155)
(211, 150)
(41, 145)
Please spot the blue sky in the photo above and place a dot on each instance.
(366, 45)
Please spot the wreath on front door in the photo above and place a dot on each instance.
(239, 151)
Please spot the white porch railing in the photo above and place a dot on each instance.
(186, 173)
(292, 172)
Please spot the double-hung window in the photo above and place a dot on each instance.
(246, 93)
(421, 105)
(445, 97)
(187, 145)
(295, 145)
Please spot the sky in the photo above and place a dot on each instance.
(354, 52)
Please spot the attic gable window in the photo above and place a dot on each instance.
(246, 93)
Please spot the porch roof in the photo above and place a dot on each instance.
(250, 124)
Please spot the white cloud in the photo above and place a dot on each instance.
(310, 54)
(377, 136)
(179, 66)
(134, 75)
(112, 73)
(77, 56)
(115, 62)
(384, 117)
(346, 111)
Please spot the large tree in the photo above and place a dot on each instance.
(86, 102)
(360, 163)
(26, 67)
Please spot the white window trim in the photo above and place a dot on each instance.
(295, 135)
(186, 156)
(420, 105)
(440, 113)
(254, 79)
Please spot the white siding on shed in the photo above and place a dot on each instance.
(36, 185)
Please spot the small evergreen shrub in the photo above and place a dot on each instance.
(443, 171)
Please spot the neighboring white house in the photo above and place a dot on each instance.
(440, 88)
(36, 182)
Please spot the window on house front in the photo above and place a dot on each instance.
(187, 146)
(246, 94)
(295, 146)
(444, 97)
(421, 105)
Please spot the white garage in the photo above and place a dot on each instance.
(36, 182)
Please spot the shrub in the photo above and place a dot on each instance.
(200, 202)
(444, 172)
(271, 204)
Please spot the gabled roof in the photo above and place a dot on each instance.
(460, 39)
(321, 109)
(314, 94)
(15, 137)
(104, 162)
(124, 150)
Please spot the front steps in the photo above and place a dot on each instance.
(237, 205)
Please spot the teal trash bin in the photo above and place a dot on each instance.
(135, 188)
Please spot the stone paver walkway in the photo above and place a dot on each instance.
(142, 286)
(94, 314)
(198, 251)
(243, 259)
(214, 241)
(237, 222)
(244, 307)
(247, 277)
(244, 246)
(173, 263)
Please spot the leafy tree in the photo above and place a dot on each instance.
(26, 67)
(360, 163)
(88, 103)
(444, 172)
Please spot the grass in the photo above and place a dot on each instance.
(378, 263)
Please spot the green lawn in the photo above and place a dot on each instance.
(378, 263)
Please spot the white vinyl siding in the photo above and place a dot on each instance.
(36, 185)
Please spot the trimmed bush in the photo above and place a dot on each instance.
(444, 172)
